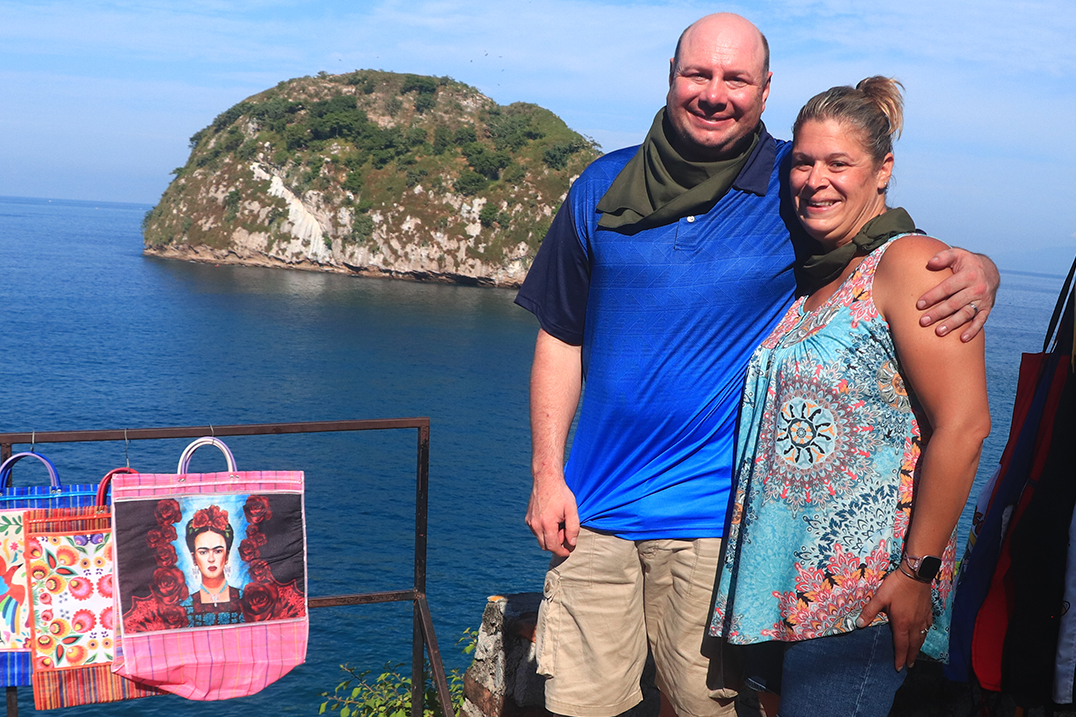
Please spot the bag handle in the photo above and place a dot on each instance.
(102, 487)
(1065, 294)
(185, 459)
(5, 468)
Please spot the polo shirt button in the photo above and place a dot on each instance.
(690, 219)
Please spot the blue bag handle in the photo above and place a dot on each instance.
(5, 468)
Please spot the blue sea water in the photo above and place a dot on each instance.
(96, 336)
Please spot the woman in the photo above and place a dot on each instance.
(209, 538)
(859, 437)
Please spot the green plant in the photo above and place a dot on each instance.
(442, 140)
(425, 103)
(362, 228)
(488, 215)
(231, 204)
(470, 183)
(389, 694)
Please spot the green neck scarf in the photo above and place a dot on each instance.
(820, 269)
(658, 186)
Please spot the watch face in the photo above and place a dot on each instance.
(928, 568)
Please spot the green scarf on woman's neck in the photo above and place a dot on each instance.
(658, 185)
(823, 268)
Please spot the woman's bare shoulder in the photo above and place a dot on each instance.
(907, 257)
(902, 274)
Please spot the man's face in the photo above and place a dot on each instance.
(717, 89)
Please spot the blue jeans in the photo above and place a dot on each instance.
(849, 675)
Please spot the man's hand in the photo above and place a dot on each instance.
(966, 297)
(553, 517)
(556, 382)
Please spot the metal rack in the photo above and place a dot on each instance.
(423, 636)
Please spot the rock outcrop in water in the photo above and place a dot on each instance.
(372, 173)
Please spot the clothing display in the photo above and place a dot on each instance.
(828, 447)
(1013, 626)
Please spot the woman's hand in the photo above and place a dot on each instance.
(907, 603)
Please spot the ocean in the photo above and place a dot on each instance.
(96, 336)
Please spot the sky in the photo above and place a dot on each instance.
(99, 98)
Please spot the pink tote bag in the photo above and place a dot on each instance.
(211, 574)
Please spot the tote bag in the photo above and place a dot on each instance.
(15, 630)
(70, 579)
(211, 570)
(985, 601)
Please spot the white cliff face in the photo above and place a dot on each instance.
(306, 229)
(400, 243)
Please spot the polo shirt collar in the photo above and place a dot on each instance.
(755, 175)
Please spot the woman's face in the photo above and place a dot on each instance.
(210, 554)
(836, 185)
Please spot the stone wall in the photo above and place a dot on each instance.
(502, 681)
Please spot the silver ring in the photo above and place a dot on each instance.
(974, 309)
(923, 632)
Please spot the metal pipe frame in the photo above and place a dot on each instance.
(423, 635)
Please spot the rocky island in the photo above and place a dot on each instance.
(371, 173)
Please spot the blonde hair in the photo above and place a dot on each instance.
(874, 107)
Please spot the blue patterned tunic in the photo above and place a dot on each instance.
(826, 455)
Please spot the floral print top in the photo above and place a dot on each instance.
(826, 470)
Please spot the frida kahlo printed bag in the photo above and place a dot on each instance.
(15, 630)
(211, 570)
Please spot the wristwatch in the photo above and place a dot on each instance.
(924, 569)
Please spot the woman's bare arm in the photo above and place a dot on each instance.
(948, 377)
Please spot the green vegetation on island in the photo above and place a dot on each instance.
(375, 173)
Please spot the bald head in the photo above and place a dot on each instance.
(727, 24)
(719, 80)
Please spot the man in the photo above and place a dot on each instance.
(663, 270)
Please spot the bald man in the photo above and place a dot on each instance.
(666, 266)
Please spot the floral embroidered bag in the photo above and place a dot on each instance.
(15, 631)
(70, 577)
(211, 570)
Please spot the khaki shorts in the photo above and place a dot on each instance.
(610, 600)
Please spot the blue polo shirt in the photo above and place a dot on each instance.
(668, 318)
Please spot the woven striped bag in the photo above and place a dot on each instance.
(70, 572)
(211, 569)
(15, 630)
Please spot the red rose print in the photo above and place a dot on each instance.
(259, 599)
(259, 570)
(211, 517)
(257, 509)
(169, 585)
(248, 551)
(168, 511)
(173, 616)
(256, 536)
(166, 556)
